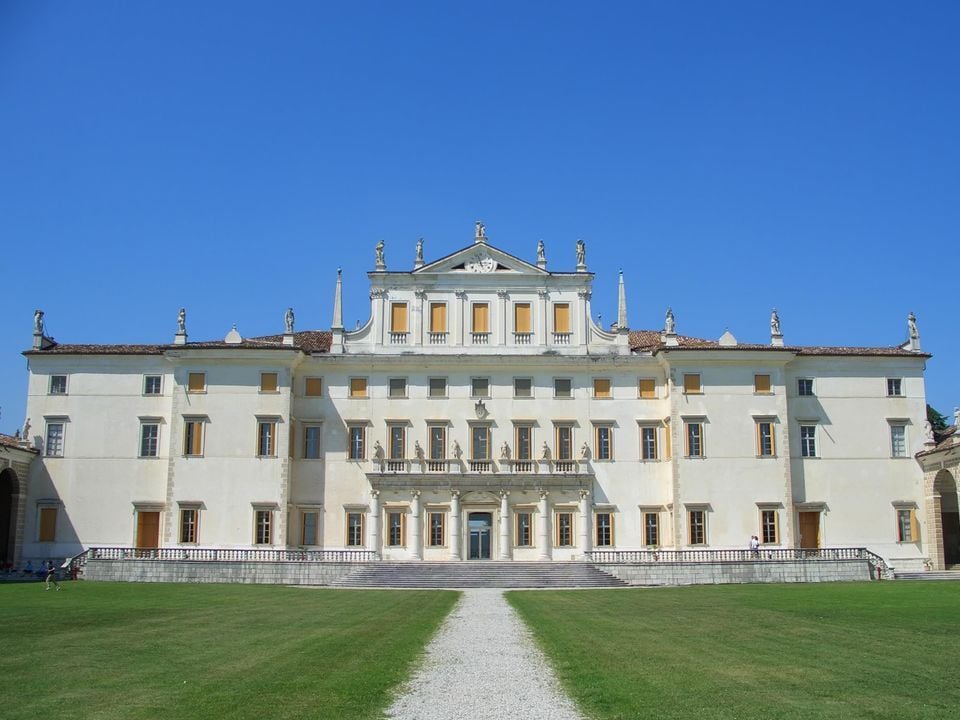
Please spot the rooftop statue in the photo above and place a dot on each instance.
(419, 257)
(481, 230)
(38, 322)
(379, 251)
(912, 326)
(182, 321)
(669, 323)
(774, 323)
(541, 254)
(581, 252)
(288, 321)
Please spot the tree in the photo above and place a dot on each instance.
(937, 421)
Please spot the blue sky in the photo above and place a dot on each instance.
(730, 157)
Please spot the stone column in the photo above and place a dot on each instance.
(584, 522)
(455, 525)
(373, 522)
(416, 547)
(543, 511)
(504, 525)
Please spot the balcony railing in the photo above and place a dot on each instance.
(228, 555)
(480, 338)
(561, 338)
(437, 338)
(477, 465)
(523, 466)
(618, 557)
(522, 338)
(396, 465)
(481, 466)
(398, 338)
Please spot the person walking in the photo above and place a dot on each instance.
(51, 575)
(755, 546)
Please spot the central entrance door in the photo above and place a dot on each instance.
(810, 530)
(479, 524)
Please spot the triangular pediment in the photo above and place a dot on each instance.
(480, 258)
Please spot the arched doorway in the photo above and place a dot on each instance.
(9, 503)
(945, 490)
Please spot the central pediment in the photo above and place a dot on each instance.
(480, 258)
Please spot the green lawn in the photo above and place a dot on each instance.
(104, 650)
(850, 650)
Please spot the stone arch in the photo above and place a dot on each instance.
(10, 515)
(943, 519)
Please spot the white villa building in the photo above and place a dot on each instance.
(480, 413)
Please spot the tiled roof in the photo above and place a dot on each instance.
(650, 341)
(10, 441)
(309, 341)
(945, 440)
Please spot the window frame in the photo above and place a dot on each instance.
(473, 387)
(805, 387)
(689, 436)
(486, 428)
(272, 424)
(696, 523)
(396, 441)
(769, 519)
(196, 383)
(304, 513)
(188, 529)
(433, 392)
(647, 394)
(758, 384)
(558, 429)
(263, 526)
(147, 382)
(689, 388)
(355, 391)
(265, 386)
(438, 331)
(808, 440)
(762, 451)
(352, 448)
(908, 511)
(895, 387)
(316, 382)
(144, 424)
(598, 392)
(400, 514)
(519, 428)
(47, 530)
(355, 535)
(57, 385)
(308, 429)
(194, 435)
(435, 540)
(900, 425)
(516, 394)
(646, 527)
(395, 327)
(556, 392)
(523, 535)
(600, 428)
(55, 449)
(598, 529)
(394, 388)
(517, 312)
(480, 309)
(564, 527)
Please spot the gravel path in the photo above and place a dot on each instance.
(483, 664)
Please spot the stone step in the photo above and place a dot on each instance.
(479, 574)
(929, 575)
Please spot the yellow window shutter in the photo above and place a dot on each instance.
(438, 317)
(398, 317)
(776, 525)
(521, 318)
(314, 387)
(601, 387)
(48, 524)
(561, 318)
(481, 322)
(761, 383)
(914, 527)
(667, 441)
(292, 437)
(197, 382)
(268, 382)
(196, 439)
(648, 388)
(358, 387)
(691, 383)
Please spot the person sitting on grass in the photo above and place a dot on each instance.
(51, 575)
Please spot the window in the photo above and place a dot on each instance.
(564, 443)
(480, 442)
(189, 524)
(522, 387)
(309, 527)
(907, 528)
(437, 524)
(263, 527)
(648, 442)
(149, 439)
(601, 388)
(438, 317)
(481, 319)
(397, 441)
(357, 435)
(765, 442)
(651, 528)
(647, 389)
(193, 436)
(522, 319)
(691, 384)
(697, 525)
(313, 387)
(438, 387)
(268, 382)
(358, 387)
(604, 529)
(398, 318)
(761, 384)
(894, 387)
(266, 438)
(354, 529)
(523, 447)
(438, 446)
(197, 382)
(47, 525)
(152, 384)
(398, 387)
(311, 442)
(694, 437)
(769, 527)
(480, 387)
(562, 387)
(561, 318)
(603, 449)
(898, 440)
(808, 440)
(805, 387)
(58, 384)
(395, 527)
(54, 444)
(524, 529)
(564, 532)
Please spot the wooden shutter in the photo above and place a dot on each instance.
(667, 441)
(561, 318)
(438, 317)
(358, 387)
(197, 382)
(648, 388)
(268, 382)
(601, 387)
(398, 317)
(691, 383)
(521, 318)
(761, 383)
(314, 387)
(481, 318)
(48, 524)
(291, 434)
(914, 527)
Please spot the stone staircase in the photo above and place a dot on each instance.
(951, 574)
(485, 574)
